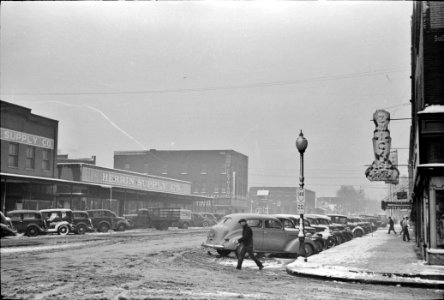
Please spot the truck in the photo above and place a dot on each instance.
(160, 218)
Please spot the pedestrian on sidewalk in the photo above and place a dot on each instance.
(401, 223)
(392, 225)
(405, 229)
(246, 246)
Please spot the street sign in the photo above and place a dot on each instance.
(300, 201)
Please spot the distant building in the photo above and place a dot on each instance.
(218, 174)
(277, 200)
(426, 156)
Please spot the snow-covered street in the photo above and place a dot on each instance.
(161, 265)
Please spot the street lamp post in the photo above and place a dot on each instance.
(301, 145)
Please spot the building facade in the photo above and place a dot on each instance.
(427, 129)
(221, 175)
(34, 177)
(279, 200)
(28, 149)
(93, 187)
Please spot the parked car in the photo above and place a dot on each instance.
(104, 220)
(82, 222)
(200, 220)
(375, 222)
(269, 236)
(323, 225)
(359, 226)
(29, 222)
(293, 221)
(340, 222)
(140, 218)
(164, 217)
(58, 220)
(7, 229)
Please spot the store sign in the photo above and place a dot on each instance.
(140, 182)
(26, 138)
(382, 169)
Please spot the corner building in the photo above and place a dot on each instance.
(426, 155)
(28, 150)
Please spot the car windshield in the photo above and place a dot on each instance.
(313, 221)
(323, 222)
(225, 220)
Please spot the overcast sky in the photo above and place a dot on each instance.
(246, 76)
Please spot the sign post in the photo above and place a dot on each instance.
(300, 201)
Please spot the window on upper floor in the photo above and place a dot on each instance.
(13, 155)
(45, 159)
(30, 157)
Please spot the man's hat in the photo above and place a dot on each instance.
(242, 220)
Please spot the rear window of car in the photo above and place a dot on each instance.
(30, 216)
(14, 217)
(254, 223)
(313, 221)
(80, 215)
(273, 224)
(323, 222)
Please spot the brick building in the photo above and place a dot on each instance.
(28, 150)
(218, 174)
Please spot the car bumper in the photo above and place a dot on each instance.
(214, 246)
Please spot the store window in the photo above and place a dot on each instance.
(440, 218)
(30, 157)
(45, 159)
(13, 155)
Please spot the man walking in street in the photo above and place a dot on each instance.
(405, 229)
(392, 225)
(246, 242)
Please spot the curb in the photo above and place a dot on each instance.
(437, 285)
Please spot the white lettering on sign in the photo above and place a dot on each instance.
(26, 138)
(133, 181)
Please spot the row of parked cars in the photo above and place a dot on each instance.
(279, 234)
(60, 221)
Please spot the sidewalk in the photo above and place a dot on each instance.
(379, 258)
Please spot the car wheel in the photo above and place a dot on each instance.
(63, 230)
(121, 227)
(81, 229)
(32, 231)
(319, 245)
(205, 224)
(104, 227)
(309, 250)
(331, 242)
(358, 233)
(185, 225)
(223, 252)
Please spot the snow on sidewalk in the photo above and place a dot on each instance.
(377, 257)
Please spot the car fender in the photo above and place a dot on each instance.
(62, 223)
(358, 228)
(292, 246)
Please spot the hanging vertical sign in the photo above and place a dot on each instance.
(300, 201)
(382, 169)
